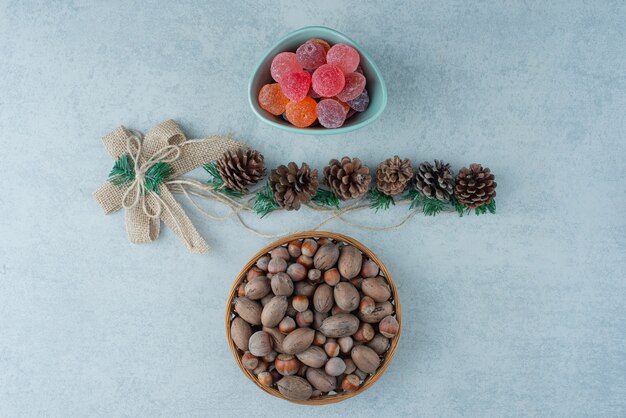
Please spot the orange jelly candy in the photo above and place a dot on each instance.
(302, 113)
(272, 99)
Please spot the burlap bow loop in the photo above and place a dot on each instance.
(147, 202)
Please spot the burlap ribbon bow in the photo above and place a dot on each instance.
(146, 208)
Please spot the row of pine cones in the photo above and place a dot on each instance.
(349, 178)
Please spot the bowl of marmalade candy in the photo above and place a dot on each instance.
(317, 81)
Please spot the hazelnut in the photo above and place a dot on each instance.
(306, 261)
(253, 273)
(260, 344)
(262, 262)
(287, 364)
(350, 383)
(287, 325)
(265, 378)
(335, 366)
(369, 269)
(314, 275)
(262, 367)
(345, 344)
(319, 339)
(380, 344)
(357, 282)
(304, 318)
(331, 347)
(309, 247)
(241, 290)
(332, 277)
(294, 248)
(300, 303)
(389, 326)
(350, 366)
(364, 333)
(277, 265)
(270, 357)
(249, 361)
(367, 305)
(297, 272)
(280, 252)
(305, 288)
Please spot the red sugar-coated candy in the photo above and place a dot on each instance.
(330, 113)
(302, 113)
(361, 102)
(284, 63)
(355, 83)
(296, 85)
(311, 55)
(343, 56)
(328, 80)
(322, 42)
(272, 99)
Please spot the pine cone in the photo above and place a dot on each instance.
(393, 175)
(348, 178)
(435, 182)
(241, 169)
(292, 185)
(475, 186)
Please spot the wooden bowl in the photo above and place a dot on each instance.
(325, 399)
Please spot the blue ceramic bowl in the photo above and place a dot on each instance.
(375, 83)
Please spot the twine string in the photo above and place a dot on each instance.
(137, 187)
(191, 187)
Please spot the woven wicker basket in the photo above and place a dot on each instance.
(327, 399)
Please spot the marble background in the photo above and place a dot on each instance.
(519, 314)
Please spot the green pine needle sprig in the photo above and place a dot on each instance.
(157, 175)
(217, 182)
(431, 207)
(265, 202)
(379, 200)
(123, 171)
(327, 198)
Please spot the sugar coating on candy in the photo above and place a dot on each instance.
(284, 63)
(302, 113)
(355, 83)
(322, 42)
(361, 102)
(343, 56)
(328, 80)
(311, 55)
(346, 106)
(296, 85)
(272, 99)
(330, 113)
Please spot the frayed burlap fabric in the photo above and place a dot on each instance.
(145, 209)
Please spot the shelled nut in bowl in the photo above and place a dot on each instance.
(376, 87)
(308, 341)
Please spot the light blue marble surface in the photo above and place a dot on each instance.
(519, 314)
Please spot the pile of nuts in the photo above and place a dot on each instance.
(314, 317)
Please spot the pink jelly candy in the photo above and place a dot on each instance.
(311, 55)
(296, 85)
(284, 63)
(328, 80)
(343, 56)
(361, 102)
(330, 113)
(355, 83)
